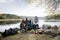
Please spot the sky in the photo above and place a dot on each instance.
(21, 8)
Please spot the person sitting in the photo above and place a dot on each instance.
(36, 22)
(29, 22)
(23, 25)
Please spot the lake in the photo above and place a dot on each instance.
(41, 22)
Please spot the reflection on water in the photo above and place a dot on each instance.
(41, 22)
(3, 27)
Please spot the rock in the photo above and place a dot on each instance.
(10, 32)
(45, 27)
(53, 34)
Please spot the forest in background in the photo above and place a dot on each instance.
(9, 16)
(53, 16)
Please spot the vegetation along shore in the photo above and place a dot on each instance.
(9, 18)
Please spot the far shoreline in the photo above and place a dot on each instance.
(9, 21)
(52, 20)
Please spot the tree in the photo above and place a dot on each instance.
(50, 5)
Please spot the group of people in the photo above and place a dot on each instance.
(28, 24)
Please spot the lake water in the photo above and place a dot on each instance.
(41, 22)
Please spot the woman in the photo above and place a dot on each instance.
(23, 25)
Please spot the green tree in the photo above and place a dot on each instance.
(50, 5)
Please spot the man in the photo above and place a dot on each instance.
(36, 24)
(36, 21)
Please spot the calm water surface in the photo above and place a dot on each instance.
(41, 22)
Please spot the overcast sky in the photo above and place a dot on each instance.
(9, 6)
(21, 8)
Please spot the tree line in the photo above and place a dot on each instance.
(9, 16)
(53, 16)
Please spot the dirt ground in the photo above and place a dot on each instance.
(27, 36)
